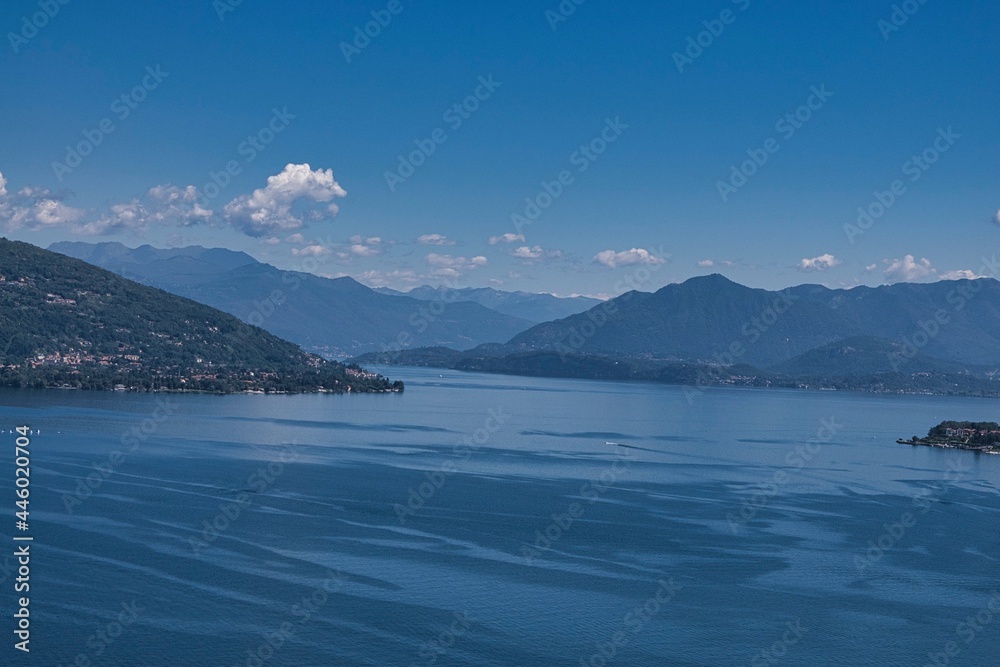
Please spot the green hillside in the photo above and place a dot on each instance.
(66, 323)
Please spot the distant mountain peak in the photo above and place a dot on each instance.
(711, 279)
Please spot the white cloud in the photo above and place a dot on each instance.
(614, 260)
(274, 240)
(365, 247)
(534, 253)
(364, 250)
(173, 204)
(447, 266)
(961, 274)
(162, 204)
(35, 208)
(821, 263)
(706, 263)
(996, 218)
(908, 269)
(434, 239)
(297, 194)
(435, 259)
(524, 252)
(397, 278)
(272, 209)
(311, 251)
(119, 217)
(507, 238)
(48, 212)
(871, 267)
(296, 238)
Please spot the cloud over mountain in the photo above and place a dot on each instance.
(279, 206)
(614, 260)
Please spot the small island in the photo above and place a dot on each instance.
(974, 436)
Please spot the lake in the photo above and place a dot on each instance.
(492, 520)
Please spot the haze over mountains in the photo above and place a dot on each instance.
(536, 308)
(702, 318)
(336, 317)
(895, 335)
(942, 337)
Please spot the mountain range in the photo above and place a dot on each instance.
(336, 317)
(536, 308)
(703, 318)
(941, 337)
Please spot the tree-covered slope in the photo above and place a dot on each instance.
(704, 318)
(65, 322)
(697, 321)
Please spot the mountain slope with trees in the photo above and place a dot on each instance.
(66, 323)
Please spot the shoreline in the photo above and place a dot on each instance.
(799, 387)
(245, 392)
(979, 449)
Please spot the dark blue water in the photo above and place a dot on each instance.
(485, 520)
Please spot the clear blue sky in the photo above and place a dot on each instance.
(652, 199)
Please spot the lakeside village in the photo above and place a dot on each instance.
(983, 437)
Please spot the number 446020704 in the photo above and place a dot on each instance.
(22, 475)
